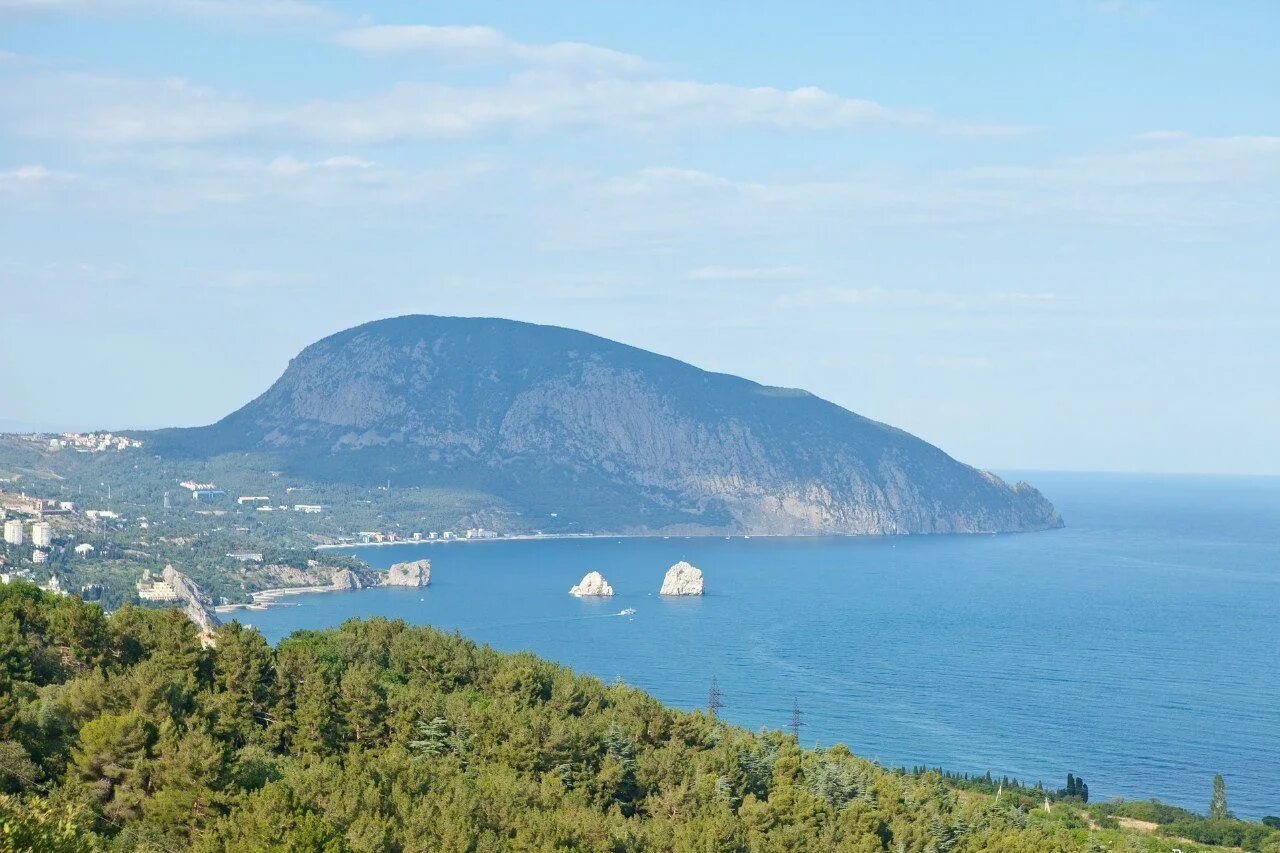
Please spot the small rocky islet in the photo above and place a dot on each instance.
(682, 578)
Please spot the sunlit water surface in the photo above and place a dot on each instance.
(1139, 647)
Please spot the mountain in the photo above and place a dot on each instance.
(573, 431)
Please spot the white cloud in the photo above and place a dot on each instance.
(184, 180)
(264, 11)
(289, 165)
(257, 280)
(961, 363)
(30, 177)
(1175, 159)
(714, 273)
(486, 46)
(1163, 136)
(871, 296)
(912, 298)
(1205, 184)
(26, 174)
(124, 111)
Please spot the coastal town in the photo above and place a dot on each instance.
(116, 539)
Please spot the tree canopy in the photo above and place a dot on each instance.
(124, 732)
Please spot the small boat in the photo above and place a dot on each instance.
(630, 611)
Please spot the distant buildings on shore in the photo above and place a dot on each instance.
(471, 533)
(92, 442)
(200, 490)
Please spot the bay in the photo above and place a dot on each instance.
(1139, 647)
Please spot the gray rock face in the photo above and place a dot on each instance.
(347, 579)
(415, 573)
(682, 579)
(194, 602)
(592, 584)
(564, 428)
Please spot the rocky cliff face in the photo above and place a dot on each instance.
(682, 579)
(194, 602)
(415, 573)
(347, 580)
(558, 424)
(592, 584)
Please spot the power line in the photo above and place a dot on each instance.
(715, 699)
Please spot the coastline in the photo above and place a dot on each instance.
(529, 537)
(265, 598)
(515, 537)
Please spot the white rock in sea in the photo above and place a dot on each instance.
(682, 579)
(593, 583)
(347, 579)
(415, 573)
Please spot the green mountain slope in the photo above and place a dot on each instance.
(124, 733)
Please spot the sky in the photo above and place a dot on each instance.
(1042, 235)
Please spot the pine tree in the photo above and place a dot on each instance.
(433, 737)
(1071, 785)
(1218, 803)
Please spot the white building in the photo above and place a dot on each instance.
(38, 556)
(152, 588)
(307, 508)
(84, 549)
(41, 534)
(13, 533)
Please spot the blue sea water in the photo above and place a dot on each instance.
(1138, 648)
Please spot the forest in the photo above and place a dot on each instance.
(125, 732)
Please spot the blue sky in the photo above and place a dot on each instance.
(1040, 235)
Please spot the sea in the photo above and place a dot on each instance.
(1138, 647)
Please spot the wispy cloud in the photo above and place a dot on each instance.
(748, 273)
(486, 46)
(266, 11)
(1163, 136)
(122, 111)
(30, 177)
(1208, 184)
(912, 298)
(258, 279)
(182, 180)
(959, 363)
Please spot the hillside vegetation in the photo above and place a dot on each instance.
(122, 732)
